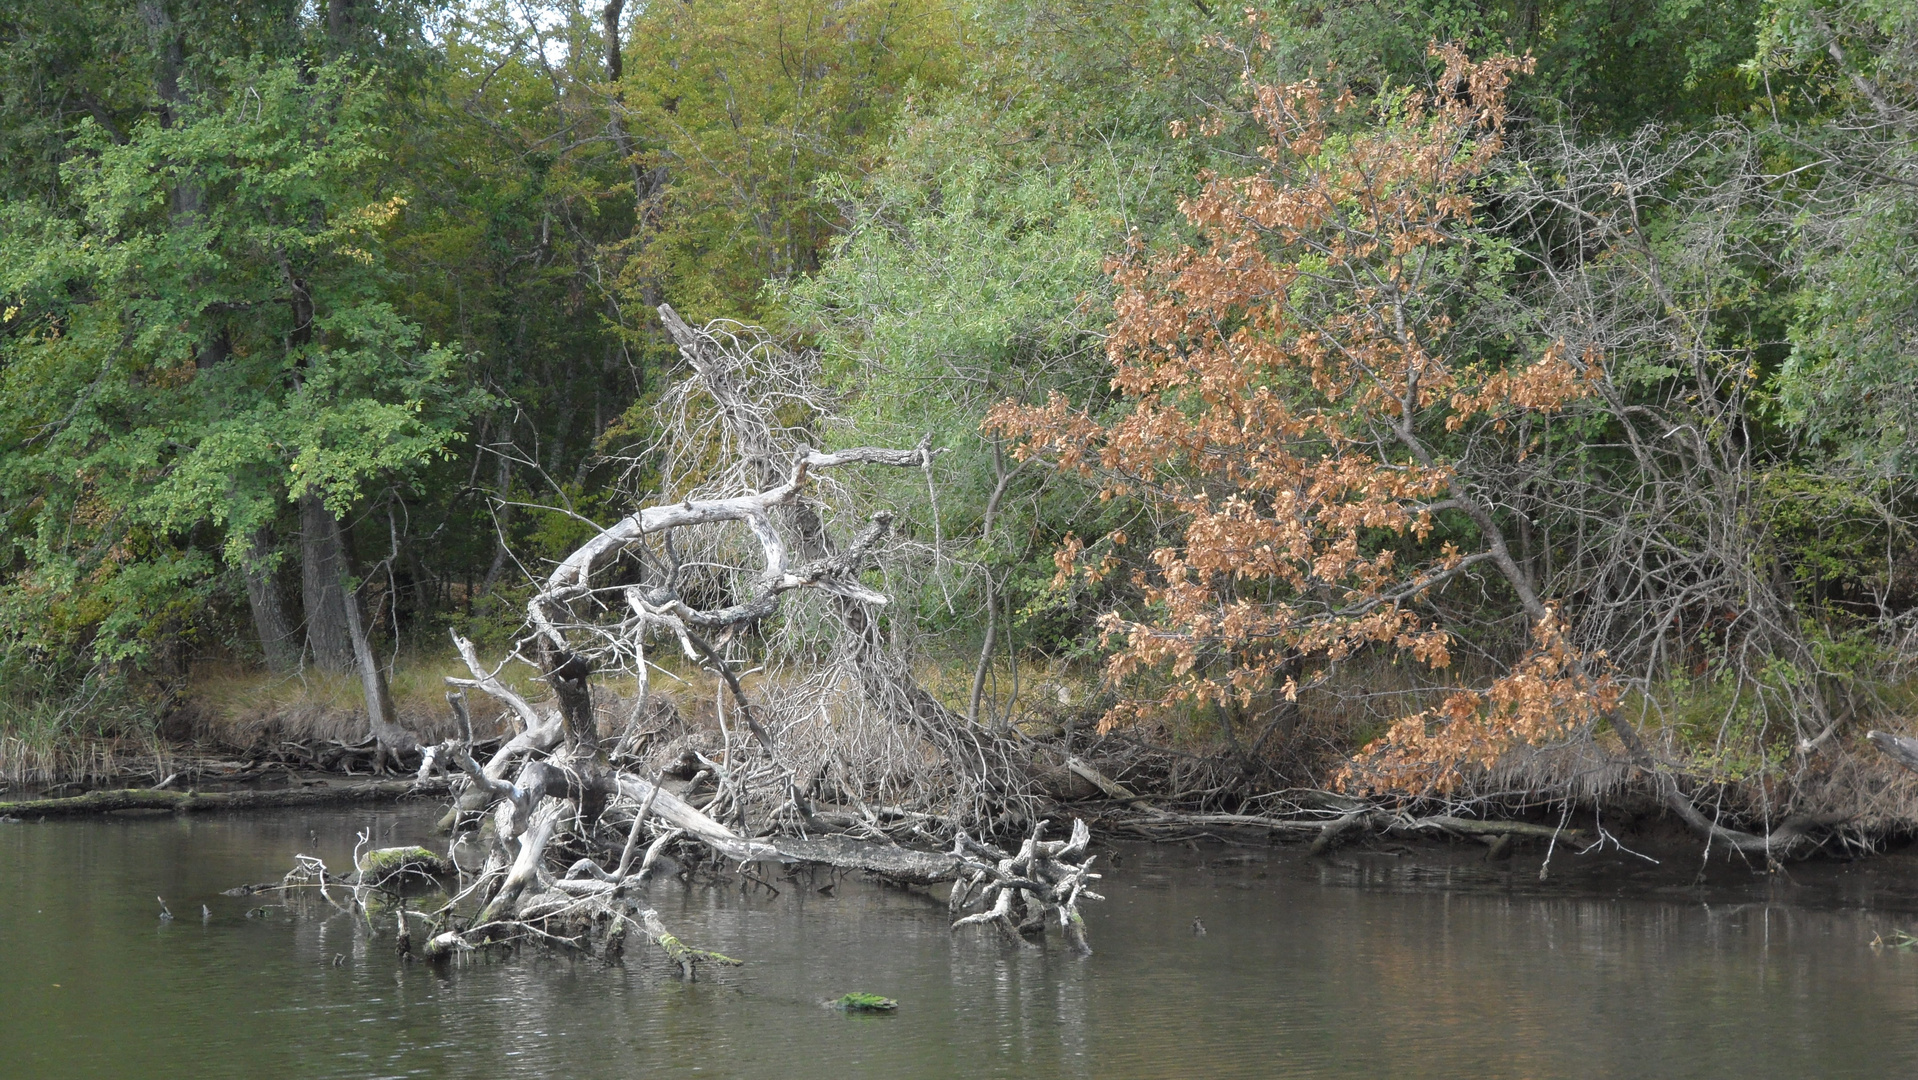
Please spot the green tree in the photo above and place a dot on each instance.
(203, 344)
(742, 108)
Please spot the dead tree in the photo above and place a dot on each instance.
(570, 803)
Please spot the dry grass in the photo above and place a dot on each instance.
(92, 731)
(1038, 696)
(36, 761)
(240, 707)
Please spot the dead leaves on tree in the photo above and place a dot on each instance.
(1286, 391)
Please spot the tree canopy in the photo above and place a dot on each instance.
(1548, 361)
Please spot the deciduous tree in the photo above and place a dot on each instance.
(1289, 394)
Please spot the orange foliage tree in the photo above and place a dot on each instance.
(1287, 395)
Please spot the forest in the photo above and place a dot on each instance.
(1302, 417)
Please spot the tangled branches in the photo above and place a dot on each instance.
(834, 768)
(1043, 882)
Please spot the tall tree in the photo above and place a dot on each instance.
(176, 375)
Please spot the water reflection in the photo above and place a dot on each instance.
(1369, 965)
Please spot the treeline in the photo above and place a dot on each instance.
(325, 324)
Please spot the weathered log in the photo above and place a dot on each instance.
(1112, 788)
(526, 863)
(1043, 882)
(1237, 821)
(537, 733)
(1330, 833)
(382, 866)
(1479, 827)
(895, 863)
(1898, 748)
(1333, 832)
(191, 802)
(671, 808)
(679, 952)
(1795, 833)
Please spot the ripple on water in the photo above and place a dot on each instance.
(1366, 965)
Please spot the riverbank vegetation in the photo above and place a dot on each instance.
(1286, 413)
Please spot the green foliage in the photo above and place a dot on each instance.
(1728, 723)
(1848, 383)
(246, 254)
(1834, 533)
(967, 264)
(1612, 66)
(746, 106)
(202, 338)
(971, 269)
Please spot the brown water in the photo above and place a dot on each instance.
(1372, 965)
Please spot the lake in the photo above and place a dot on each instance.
(1374, 963)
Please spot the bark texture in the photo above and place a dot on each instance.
(322, 569)
(270, 624)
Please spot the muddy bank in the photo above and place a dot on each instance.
(309, 753)
(1629, 846)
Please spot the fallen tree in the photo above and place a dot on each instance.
(189, 802)
(563, 809)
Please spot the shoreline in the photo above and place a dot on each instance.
(310, 792)
(1345, 827)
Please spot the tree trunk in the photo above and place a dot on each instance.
(322, 569)
(169, 56)
(615, 67)
(502, 518)
(382, 722)
(341, 22)
(269, 614)
(568, 674)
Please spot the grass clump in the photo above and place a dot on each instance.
(95, 728)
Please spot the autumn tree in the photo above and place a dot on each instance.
(1289, 398)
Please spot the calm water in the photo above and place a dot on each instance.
(1369, 966)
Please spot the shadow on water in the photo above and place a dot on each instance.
(1374, 963)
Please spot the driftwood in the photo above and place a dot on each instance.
(1112, 788)
(1039, 885)
(552, 787)
(190, 802)
(901, 864)
(1898, 748)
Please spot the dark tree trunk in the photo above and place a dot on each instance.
(568, 675)
(322, 570)
(381, 719)
(277, 642)
(341, 22)
(609, 22)
(169, 58)
(502, 519)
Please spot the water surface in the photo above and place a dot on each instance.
(1375, 964)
